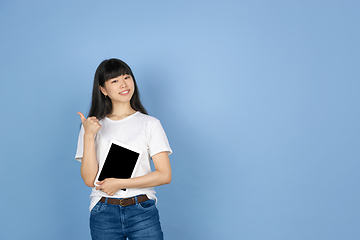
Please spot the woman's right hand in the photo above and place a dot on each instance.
(91, 124)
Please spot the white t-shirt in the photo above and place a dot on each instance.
(139, 131)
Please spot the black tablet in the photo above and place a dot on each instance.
(120, 161)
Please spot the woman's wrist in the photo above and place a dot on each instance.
(89, 136)
(121, 183)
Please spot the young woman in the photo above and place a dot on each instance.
(116, 113)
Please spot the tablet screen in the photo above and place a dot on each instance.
(120, 163)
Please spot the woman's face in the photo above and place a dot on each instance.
(119, 89)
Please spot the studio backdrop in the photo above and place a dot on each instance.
(259, 100)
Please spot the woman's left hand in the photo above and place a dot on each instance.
(109, 186)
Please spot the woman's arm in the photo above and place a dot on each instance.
(161, 176)
(89, 166)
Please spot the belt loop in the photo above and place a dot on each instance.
(106, 199)
(136, 200)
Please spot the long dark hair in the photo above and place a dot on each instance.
(108, 69)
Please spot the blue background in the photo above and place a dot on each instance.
(259, 99)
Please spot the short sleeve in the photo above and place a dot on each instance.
(157, 139)
(80, 145)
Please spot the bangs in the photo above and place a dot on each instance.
(114, 68)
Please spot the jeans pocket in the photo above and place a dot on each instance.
(147, 204)
(98, 207)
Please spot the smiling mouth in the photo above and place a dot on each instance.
(125, 92)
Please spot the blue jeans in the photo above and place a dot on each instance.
(135, 222)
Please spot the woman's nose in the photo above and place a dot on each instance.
(122, 84)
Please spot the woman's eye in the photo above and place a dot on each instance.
(114, 81)
(127, 77)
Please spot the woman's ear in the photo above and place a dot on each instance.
(103, 90)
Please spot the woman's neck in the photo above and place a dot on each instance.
(120, 111)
